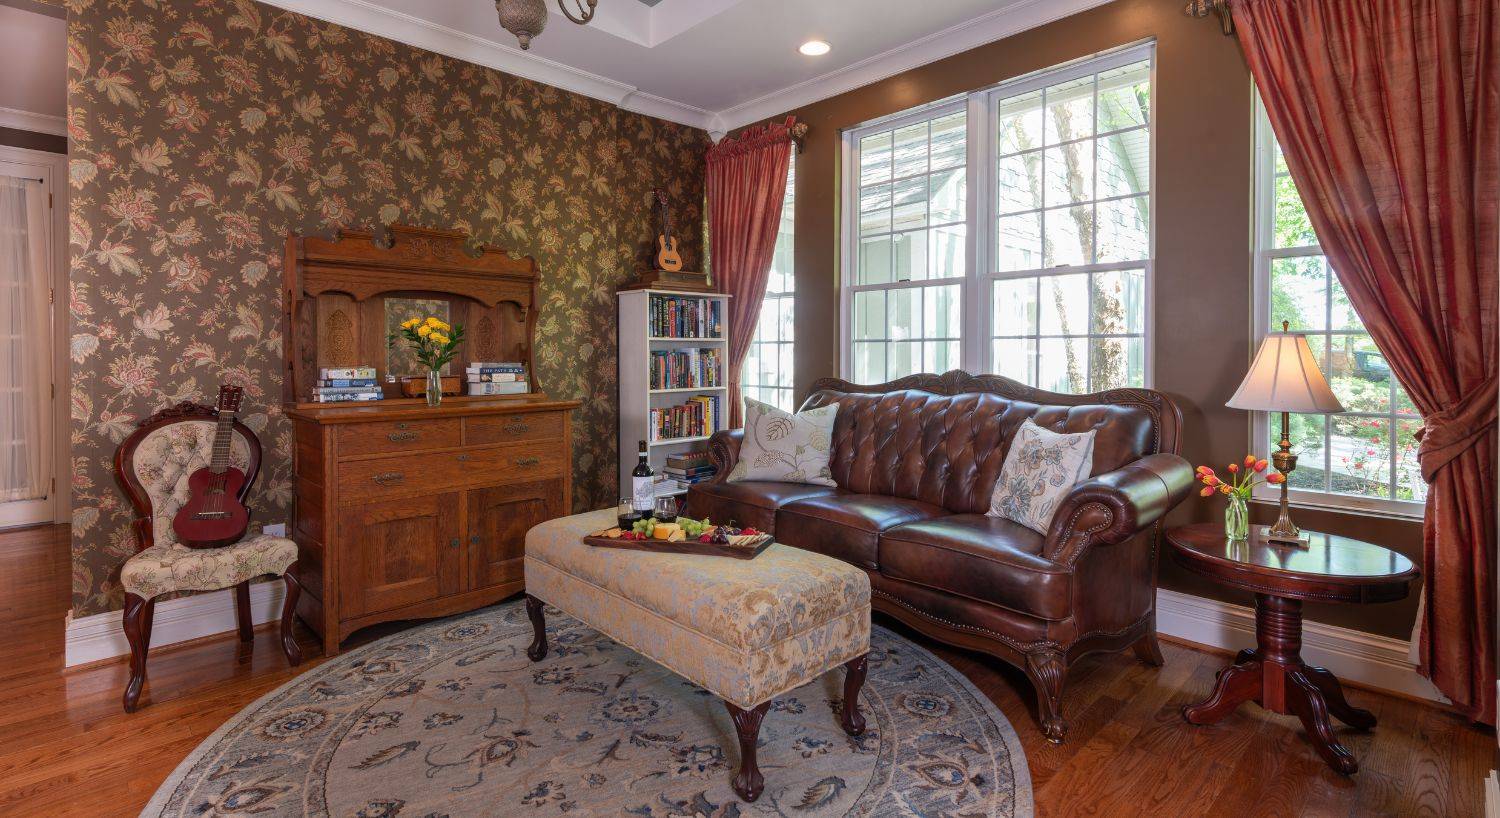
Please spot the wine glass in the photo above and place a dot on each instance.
(625, 513)
(666, 509)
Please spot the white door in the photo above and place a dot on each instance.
(27, 331)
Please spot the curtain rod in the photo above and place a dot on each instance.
(1203, 8)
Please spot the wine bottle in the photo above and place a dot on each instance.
(643, 484)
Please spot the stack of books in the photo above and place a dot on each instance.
(696, 418)
(675, 316)
(685, 369)
(344, 384)
(686, 469)
(497, 378)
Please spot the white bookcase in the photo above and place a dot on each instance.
(637, 398)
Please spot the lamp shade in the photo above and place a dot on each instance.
(1285, 378)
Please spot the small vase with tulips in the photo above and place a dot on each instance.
(1242, 480)
(434, 342)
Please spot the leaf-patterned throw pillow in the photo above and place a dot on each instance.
(786, 448)
(1040, 469)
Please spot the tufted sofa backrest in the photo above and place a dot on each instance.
(942, 439)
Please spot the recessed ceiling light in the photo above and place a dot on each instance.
(815, 48)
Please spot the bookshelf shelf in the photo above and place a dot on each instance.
(639, 338)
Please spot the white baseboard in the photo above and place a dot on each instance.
(102, 636)
(1365, 658)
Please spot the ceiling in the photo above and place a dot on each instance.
(33, 70)
(714, 64)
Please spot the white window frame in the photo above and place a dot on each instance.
(1261, 422)
(976, 353)
(757, 344)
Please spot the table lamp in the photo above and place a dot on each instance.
(1284, 377)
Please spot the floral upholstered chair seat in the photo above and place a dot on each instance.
(163, 462)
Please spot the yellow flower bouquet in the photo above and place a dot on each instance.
(434, 343)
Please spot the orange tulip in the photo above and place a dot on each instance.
(1208, 491)
(1275, 478)
(1260, 465)
(1249, 461)
(1234, 468)
(1223, 489)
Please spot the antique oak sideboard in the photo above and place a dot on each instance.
(403, 510)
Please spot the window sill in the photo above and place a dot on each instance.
(1402, 510)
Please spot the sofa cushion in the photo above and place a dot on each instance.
(990, 559)
(750, 503)
(785, 447)
(848, 525)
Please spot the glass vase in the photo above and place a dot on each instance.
(434, 388)
(1237, 518)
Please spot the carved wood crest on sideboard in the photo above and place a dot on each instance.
(342, 293)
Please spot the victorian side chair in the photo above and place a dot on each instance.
(152, 466)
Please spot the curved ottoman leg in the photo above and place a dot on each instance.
(749, 783)
(851, 719)
(538, 650)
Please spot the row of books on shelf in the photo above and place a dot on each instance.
(685, 368)
(359, 383)
(676, 316)
(684, 470)
(697, 417)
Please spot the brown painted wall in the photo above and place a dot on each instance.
(1203, 333)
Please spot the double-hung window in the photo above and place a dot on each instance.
(1366, 457)
(767, 376)
(1008, 231)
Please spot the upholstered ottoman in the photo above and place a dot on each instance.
(745, 630)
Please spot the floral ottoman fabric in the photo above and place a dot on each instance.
(747, 630)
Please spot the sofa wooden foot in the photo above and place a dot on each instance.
(1047, 670)
(1148, 650)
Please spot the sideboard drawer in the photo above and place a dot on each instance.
(510, 464)
(381, 477)
(512, 428)
(398, 436)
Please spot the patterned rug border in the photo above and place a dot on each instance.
(1024, 803)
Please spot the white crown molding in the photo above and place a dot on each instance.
(996, 25)
(102, 636)
(34, 122)
(1364, 658)
(419, 33)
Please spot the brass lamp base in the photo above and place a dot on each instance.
(1284, 531)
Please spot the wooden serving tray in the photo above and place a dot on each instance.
(749, 550)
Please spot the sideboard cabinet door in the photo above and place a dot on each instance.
(400, 552)
(499, 518)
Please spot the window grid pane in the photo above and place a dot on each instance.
(1072, 191)
(1370, 449)
(767, 376)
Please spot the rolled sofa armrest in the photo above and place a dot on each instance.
(724, 452)
(1113, 507)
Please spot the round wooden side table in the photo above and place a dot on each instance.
(1330, 569)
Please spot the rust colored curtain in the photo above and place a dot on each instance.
(1387, 113)
(746, 182)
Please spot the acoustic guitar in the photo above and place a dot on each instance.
(213, 516)
(666, 244)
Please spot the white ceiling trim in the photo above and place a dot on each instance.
(414, 31)
(420, 33)
(997, 25)
(34, 122)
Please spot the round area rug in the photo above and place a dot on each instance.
(450, 718)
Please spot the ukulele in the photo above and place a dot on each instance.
(666, 245)
(213, 516)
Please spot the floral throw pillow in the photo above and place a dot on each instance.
(785, 448)
(1040, 469)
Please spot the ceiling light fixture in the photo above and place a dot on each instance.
(815, 48)
(527, 18)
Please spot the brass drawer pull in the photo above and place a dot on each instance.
(402, 425)
(528, 461)
(402, 437)
(389, 478)
(463, 458)
(517, 427)
(453, 543)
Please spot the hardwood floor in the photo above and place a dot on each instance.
(66, 748)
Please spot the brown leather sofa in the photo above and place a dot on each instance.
(916, 460)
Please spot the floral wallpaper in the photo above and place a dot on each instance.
(203, 130)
